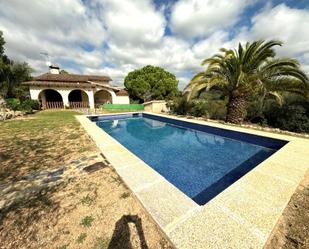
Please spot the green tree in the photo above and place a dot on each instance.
(249, 70)
(12, 74)
(2, 42)
(150, 83)
(62, 71)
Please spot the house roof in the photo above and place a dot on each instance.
(75, 81)
(71, 78)
(68, 80)
(59, 84)
(122, 92)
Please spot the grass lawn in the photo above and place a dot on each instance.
(42, 141)
(47, 201)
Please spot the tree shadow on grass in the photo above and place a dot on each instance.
(23, 215)
(121, 235)
(22, 155)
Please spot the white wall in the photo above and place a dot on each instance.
(34, 93)
(64, 92)
(121, 100)
(156, 106)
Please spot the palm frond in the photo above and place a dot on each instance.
(251, 68)
(278, 96)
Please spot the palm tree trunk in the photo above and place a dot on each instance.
(236, 109)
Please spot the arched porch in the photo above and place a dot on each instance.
(78, 99)
(50, 99)
(102, 97)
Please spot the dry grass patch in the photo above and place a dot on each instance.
(47, 141)
(88, 211)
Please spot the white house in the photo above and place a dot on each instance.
(59, 90)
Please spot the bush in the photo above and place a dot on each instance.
(27, 105)
(198, 109)
(291, 117)
(215, 104)
(255, 112)
(214, 109)
(35, 105)
(180, 105)
(12, 104)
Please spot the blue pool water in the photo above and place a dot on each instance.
(200, 164)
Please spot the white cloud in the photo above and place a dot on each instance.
(57, 27)
(129, 34)
(117, 74)
(208, 47)
(172, 54)
(197, 18)
(133, 22)
(284, 23)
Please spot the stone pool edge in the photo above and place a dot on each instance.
(242, 216)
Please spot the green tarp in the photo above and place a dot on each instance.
(131, 107)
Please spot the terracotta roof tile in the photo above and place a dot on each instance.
(71, 78)
(58, 84)
(122, 92)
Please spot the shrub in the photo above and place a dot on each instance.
(27, 105)
(291, 117)
(255, 112)
(214, 109)
(198, 109)
(12, 104)
(81, 238)
(180, 105)
(35, 105)
(87, 221)
(215, 103)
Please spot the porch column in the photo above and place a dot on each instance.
(90, 94)
(65, 96)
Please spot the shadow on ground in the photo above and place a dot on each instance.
(121, 235)
(25, 212)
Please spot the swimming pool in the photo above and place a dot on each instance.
(199, 160)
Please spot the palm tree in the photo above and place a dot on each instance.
(249, 70)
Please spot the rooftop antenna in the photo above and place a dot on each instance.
(47, 59)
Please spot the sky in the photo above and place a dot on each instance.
(114, 37)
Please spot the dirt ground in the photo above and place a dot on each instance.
(49, 201)
(292, 229)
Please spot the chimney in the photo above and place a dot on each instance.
(54, 69)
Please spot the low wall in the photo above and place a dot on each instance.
(156, 106)
(121, 100)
